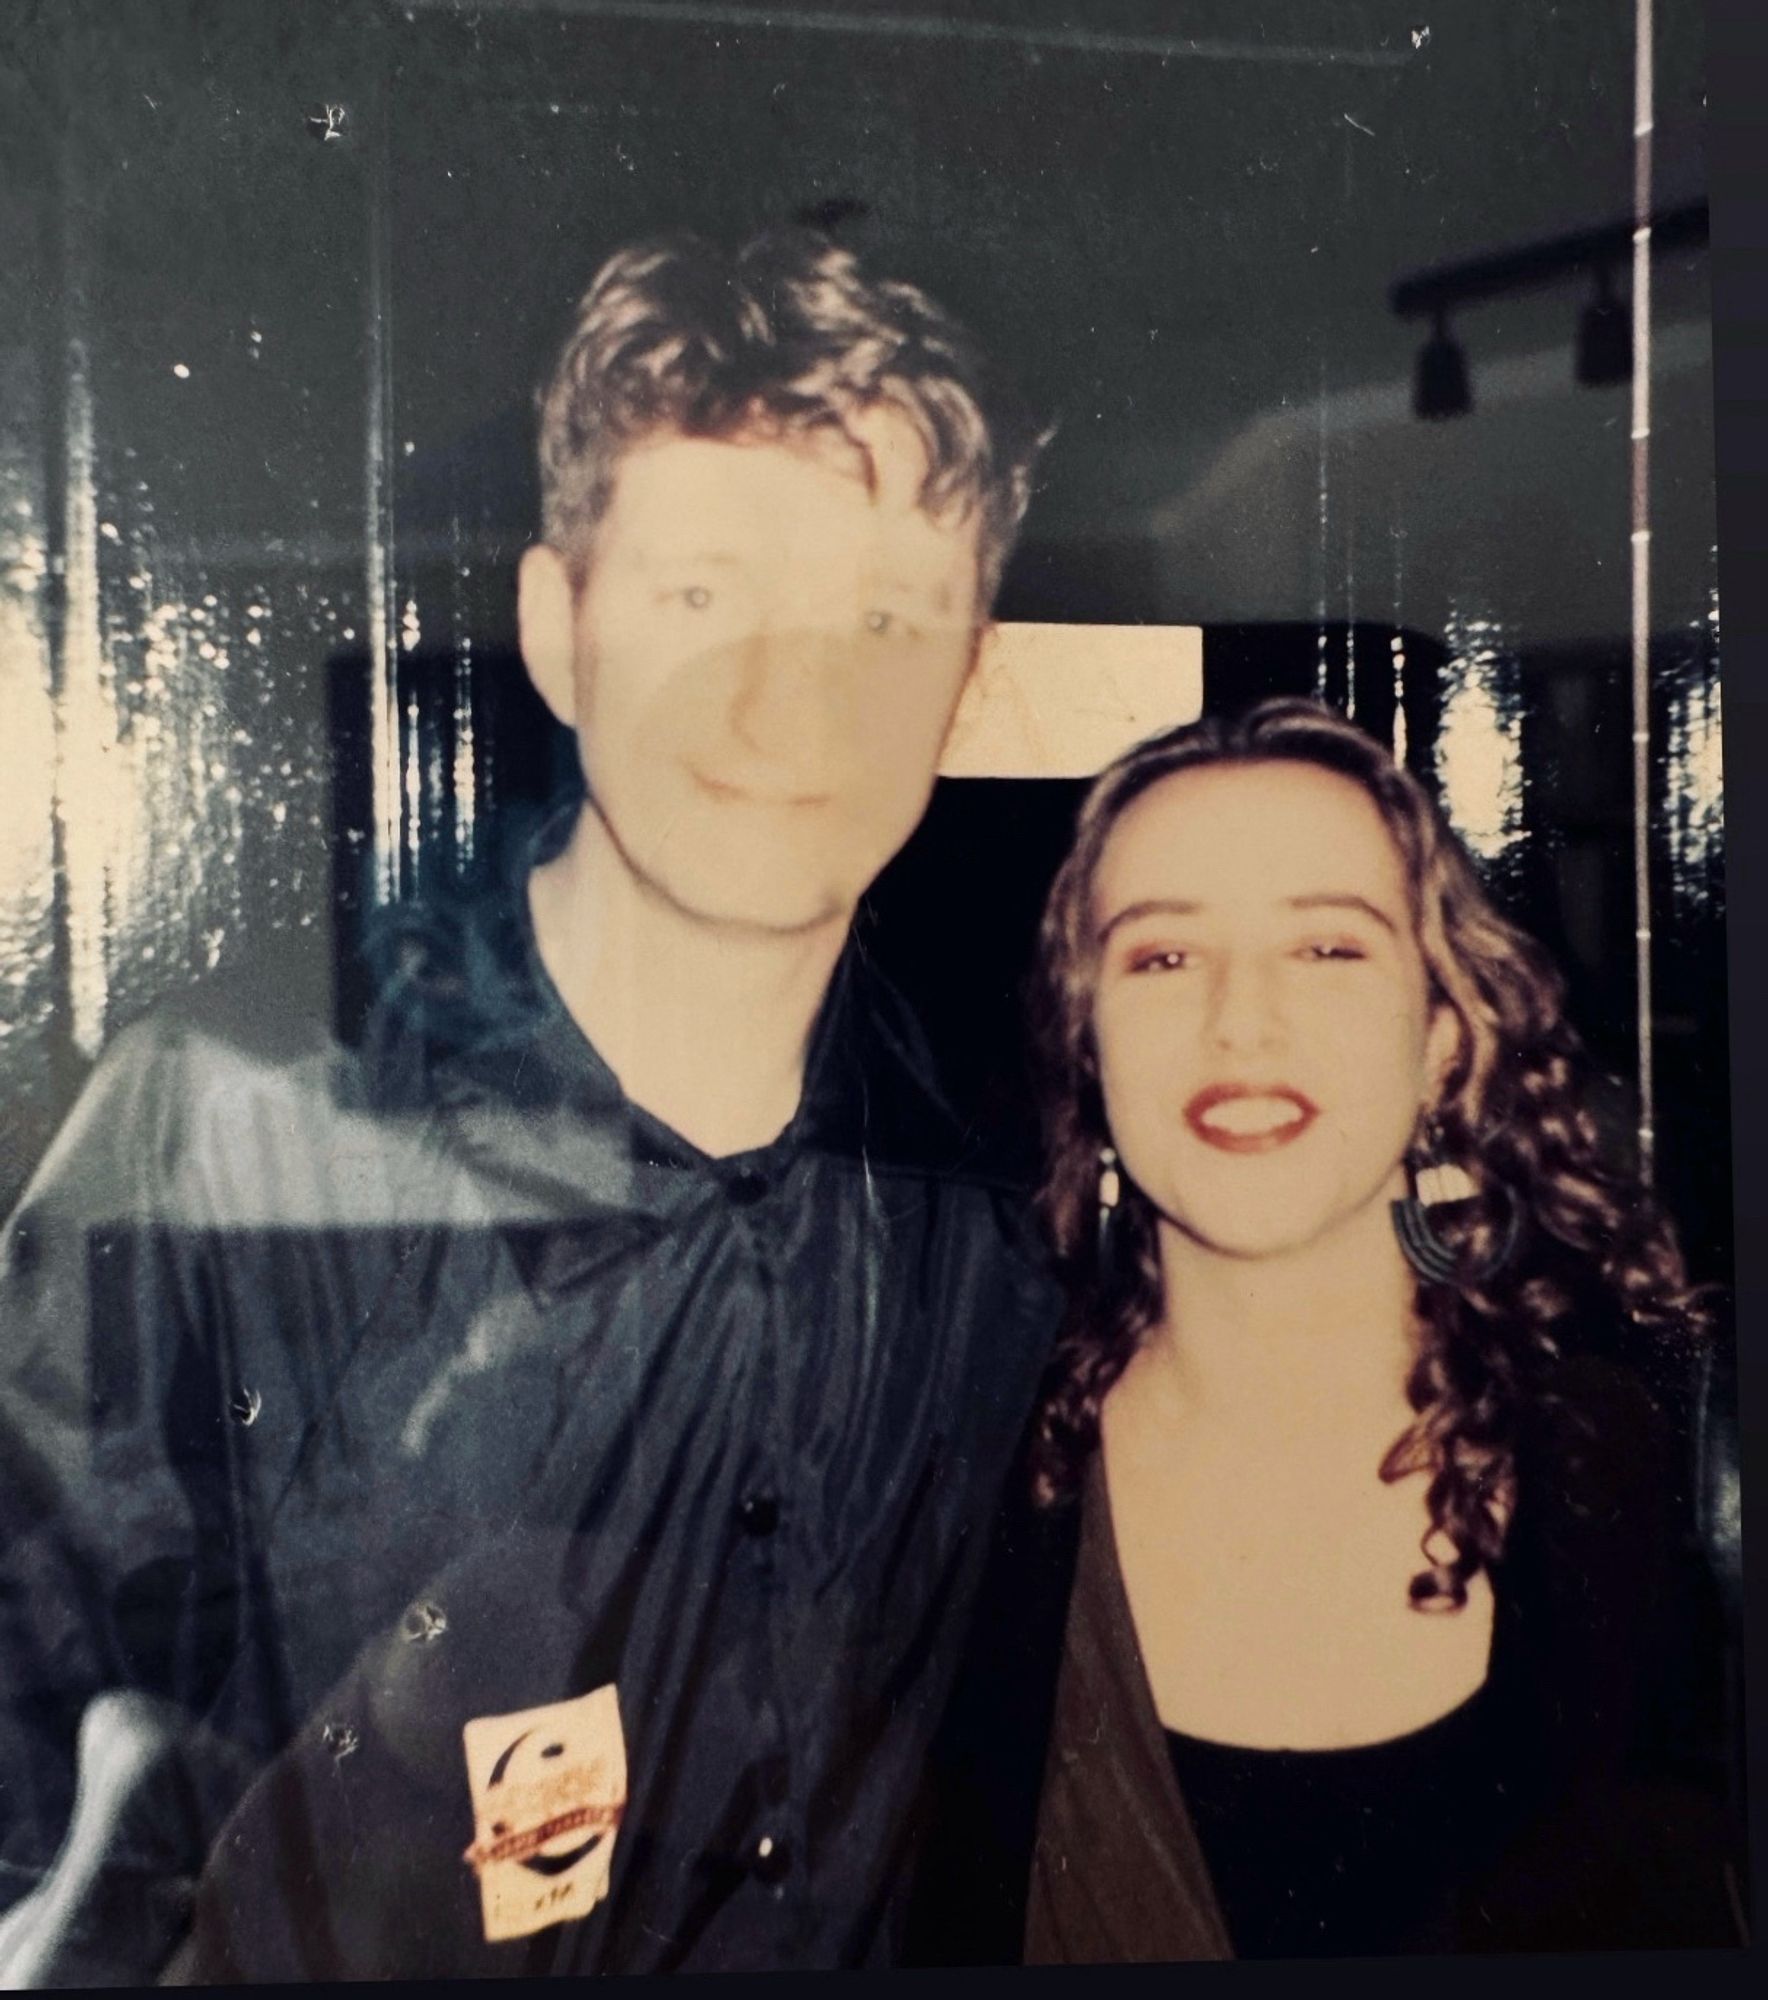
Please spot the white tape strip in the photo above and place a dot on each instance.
(1061, 701)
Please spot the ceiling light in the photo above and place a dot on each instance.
(1441, 388)
(1605, 337)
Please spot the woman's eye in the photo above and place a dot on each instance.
(695, 596)
(881, 622)
(1160, 961)
(1333, 953)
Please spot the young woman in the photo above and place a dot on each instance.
(1344, 1645)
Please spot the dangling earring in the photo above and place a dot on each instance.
(1110, 1194)
(1438, 1182)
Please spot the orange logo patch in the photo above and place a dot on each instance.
(549, 1789)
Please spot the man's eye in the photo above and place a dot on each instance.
(695, 596)
(889, 625)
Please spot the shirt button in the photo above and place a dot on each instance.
(746, 1188)
(758, 1514)
(772, 1859)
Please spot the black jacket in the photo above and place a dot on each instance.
(351, 1394)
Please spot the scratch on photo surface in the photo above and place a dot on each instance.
(921, 27)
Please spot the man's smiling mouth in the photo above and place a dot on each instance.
(727, 793)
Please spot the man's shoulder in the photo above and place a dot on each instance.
(246, 1100)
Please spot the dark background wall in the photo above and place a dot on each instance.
(280, 278)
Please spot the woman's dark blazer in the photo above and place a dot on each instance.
(1610, 1637)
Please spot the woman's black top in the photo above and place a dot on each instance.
(1554, 1811)
(1329, 1853)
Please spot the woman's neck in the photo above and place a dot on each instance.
(706, 1025)
(1315, 1343)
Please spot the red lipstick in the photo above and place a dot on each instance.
(1263, 1138)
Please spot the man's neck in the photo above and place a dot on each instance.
(707, 1026)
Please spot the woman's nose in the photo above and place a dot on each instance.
(1246, 1006)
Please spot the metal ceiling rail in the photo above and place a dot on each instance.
(1448, 286)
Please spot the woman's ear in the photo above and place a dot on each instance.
(546, 626)
(1444, 1041)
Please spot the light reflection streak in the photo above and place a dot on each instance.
(90, 787)
(1350, 599)
(1325, 519)
(1478, 750)
(27, 759)
(1397, 646)
(465, 785)
(414, 791)
(383, 661)
(1695, 778)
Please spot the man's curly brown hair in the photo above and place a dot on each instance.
(782, 337)
(1596, 1249)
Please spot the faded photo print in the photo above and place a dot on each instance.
(863, 1090)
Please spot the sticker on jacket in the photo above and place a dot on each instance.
(549, 1788)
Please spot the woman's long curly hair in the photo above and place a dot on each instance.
(1511, 1111)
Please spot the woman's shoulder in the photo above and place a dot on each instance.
(1595, 1452)
(1588, 1569)
(1607, 1652)
(1598, 1437)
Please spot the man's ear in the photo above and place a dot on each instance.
(546, 623)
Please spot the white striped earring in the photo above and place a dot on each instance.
(1438, 1182)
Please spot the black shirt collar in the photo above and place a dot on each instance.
(462, 1007)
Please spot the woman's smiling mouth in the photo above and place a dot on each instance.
(1249, 1118)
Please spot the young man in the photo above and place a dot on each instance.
(504, 1497)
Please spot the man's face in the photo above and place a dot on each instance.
(765, 655)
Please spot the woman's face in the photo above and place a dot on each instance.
(1265, 1034)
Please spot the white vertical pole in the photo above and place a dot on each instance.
(1641, 566)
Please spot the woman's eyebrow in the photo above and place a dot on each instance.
(1176, 906)
(1167, 906)
(1326, 900)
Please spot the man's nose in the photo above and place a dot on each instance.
(1246, 1014)
(786, 692)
